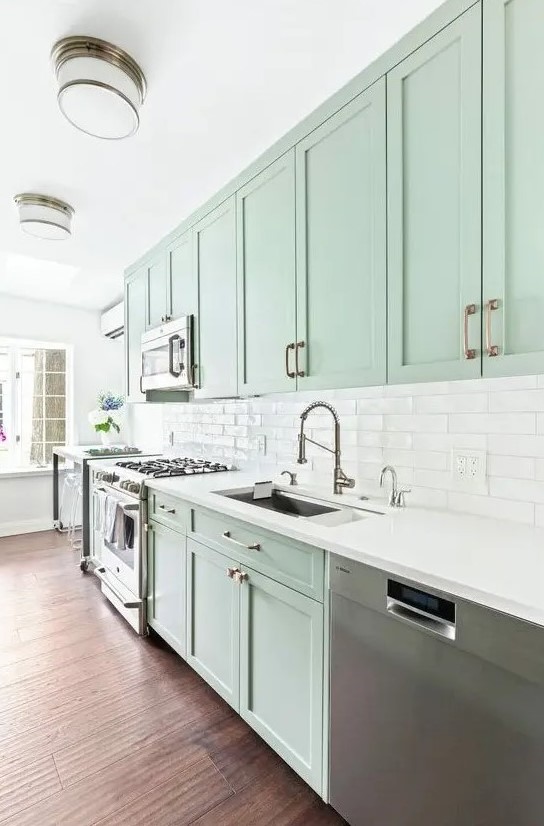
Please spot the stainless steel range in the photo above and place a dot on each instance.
(119, 514)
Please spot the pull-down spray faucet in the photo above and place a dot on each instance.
(341, 481)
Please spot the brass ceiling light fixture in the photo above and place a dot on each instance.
(100, 87)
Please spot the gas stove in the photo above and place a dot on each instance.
(162, 468)
(128, 475)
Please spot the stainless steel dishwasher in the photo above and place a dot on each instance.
(437, 706)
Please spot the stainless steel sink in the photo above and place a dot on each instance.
(280, 502)
(300, 506)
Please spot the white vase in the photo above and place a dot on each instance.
(108, 438)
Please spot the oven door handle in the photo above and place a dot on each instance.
(133, 603)
(171, 342)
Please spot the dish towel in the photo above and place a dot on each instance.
(119, 528)
(99, 510)
(110, 518)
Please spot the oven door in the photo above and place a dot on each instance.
(167, 361)
(121, 546)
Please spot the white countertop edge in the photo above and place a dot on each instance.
(358, 540)
(23, 473)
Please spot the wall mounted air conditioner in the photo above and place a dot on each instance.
(112, 321)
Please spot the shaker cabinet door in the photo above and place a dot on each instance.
(215, 255)
(281, 672)
(513, 281)
(341, 247)
(157, 294)
(135, 323)
(213, 620)
(182, 281)
(266, 279)
(434, 207)
(166, 578)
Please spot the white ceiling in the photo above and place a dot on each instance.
(225, 80)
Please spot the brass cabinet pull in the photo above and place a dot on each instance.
(491, 349)
(469, 352)
(254, 547)
(299, 346)
(290, 373)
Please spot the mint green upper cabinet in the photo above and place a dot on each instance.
(266, 278)
(182, 282)
(157, 293)
(434, 206)
(341, 247)
(281, 672)
(514, 185)
(215, 253)
(213, 620)
(135, 324)
(166, 578)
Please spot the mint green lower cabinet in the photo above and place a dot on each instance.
(213, 620)
(341, 247)
(215, 254)
(513, 226)
(434, 206)
(135, 323)
(166, 580)
(281, 672)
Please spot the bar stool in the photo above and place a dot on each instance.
(65, 509)
(74, 523)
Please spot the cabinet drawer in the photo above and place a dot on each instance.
(168, 510)
(294, 564)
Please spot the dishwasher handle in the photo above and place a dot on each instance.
(413, 616)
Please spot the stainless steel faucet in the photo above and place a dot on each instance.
(396, 497)
(292, 476)
(341, 481)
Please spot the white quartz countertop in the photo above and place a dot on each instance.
(76, 453)
(495, 563)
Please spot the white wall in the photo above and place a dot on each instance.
(413, 427)
(25, 503)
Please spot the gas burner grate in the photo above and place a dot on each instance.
(163, 468)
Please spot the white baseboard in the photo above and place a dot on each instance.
(28, 526)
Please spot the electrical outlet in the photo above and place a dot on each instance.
(261, 445)
(469, 470)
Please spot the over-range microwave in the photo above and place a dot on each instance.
(167, 356)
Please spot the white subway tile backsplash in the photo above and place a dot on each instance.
(413, 427)
(522, 490)
(417, 424)
(491, 507)
(516, 400)
(513, 467)
(456, 403)
(522, 423)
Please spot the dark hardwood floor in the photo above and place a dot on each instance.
(98, 726)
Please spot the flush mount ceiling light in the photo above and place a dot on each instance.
(44, 217)
(101, 88)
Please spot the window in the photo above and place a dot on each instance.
(33, 402)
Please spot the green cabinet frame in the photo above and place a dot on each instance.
(166, 584)
(281, 672)
(434, 206)
(513, 177)
(135, 324)
(214, 270)
(213, 621)
(341, 247)
(265, 220)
